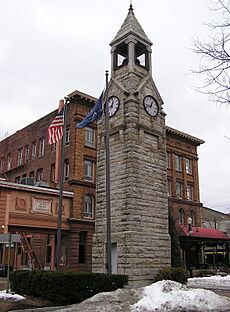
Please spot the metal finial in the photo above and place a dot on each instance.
(131, 6)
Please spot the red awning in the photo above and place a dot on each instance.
(204, 232)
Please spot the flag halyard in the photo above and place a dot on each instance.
(55, 130)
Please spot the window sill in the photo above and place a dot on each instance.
(88, 179)
(88, 217)
(90, 146)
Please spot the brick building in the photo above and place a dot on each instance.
(183, 176)
(26, 157)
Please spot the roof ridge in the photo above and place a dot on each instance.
(131, 26)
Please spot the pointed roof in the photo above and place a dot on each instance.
(131, 26)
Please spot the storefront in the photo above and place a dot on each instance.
(204, 248)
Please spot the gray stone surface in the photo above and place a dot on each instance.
(138, 173)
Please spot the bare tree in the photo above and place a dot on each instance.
(215, 56)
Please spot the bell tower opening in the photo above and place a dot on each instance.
(120, 56)
(141, 55)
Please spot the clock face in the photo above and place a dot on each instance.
(113, 103)
(151, 106)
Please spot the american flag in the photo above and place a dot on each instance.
(55, 130)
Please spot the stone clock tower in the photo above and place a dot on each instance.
(138, 171)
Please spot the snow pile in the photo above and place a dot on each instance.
(8, 296)
(214, 282)
(161, 296)
(172, 296)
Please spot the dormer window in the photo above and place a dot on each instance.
(121, 56)
(141, 54)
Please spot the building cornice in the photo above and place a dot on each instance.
(34, 189)
(82, 95)
(184, 135)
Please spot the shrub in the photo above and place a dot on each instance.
(174, 274)
(64, 287)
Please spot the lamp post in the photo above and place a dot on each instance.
(189, 221)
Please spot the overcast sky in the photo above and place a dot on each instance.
(49, 48)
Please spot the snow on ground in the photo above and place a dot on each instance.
(8, 296)
(214, 282)
(173, 296)
(161, 296)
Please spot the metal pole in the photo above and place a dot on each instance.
(58, 252)
(107, 168)
(8, 264)
(190, 251)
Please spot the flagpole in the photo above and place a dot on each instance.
(58, 250)
(107, 168)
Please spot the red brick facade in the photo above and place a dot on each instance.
(42, 165)
(183, 178)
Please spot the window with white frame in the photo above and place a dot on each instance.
(39, 174)
(27, 152)
(41, 147)
(88, 169)
(189, 191)
(66, 169)
(179, 189)
(19, 156)
(188, 165)
(8, 161)
(67, 136)
(89, 137)
(178, 163)
(34, 150)
(2, 165)
(181, 216)
(88, 206)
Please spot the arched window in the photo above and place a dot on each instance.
(181, 216)
(192, 215)
(88, 206)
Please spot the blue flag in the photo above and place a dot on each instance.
(93, 115)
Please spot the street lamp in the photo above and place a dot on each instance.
(189, 221)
